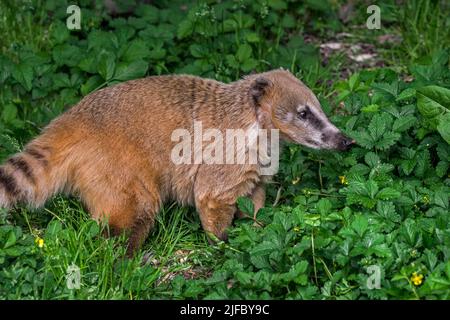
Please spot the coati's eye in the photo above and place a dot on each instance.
(302, 114)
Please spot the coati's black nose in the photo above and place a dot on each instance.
(345, 143)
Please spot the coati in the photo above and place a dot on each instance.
(113, 149)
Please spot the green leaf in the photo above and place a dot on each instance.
(441, 199)
(443, 126)
(388, 194)
(244, 52)
(67, 54)
(23, 73)
(441, 168)
(353, 82)
(404, 123)
(370, 108)
(91, 84)
(433, 100)
(59, 32)
(365, 139)
(107, 66)
(277, 4)
(128, 71)
(372, 159)
(249, 65)
(371, 188)
(11, 240)
(264, 248)
(136, 50)
(324, 206)
(9, 113)
(388, 140)
(185, 29)
(197, 51)
(252, 37)
(377, 126)
(246, 205)
(406, 94)
(360, 225)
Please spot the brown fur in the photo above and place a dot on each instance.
(113, 150)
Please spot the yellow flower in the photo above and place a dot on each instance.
(296, 229)
(417, 279)
(343, 180)
(39, 242)
(296, 180)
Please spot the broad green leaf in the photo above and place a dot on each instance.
(433, 100)
(249, 65)
(66, 54)
(372, 159)
(277, 4)
(246, 205)
(244, 52)
(91, 84)
(388, 194)
(404, 123)
(377, 126)
(23, 73)
(353, 82)
(252, 37)
(406, 94)
(11, 240)
(197, 51)
(133, 70)
(443, 126)
(9, 113)
(107, 66)
(324, 206)
(59, 32)
(388, 140)
(370, 108)
(360, 224)
(185, 29)
(136, 50)
(441, 199)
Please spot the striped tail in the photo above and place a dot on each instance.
(29, 177)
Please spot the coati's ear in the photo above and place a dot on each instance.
(259, 87)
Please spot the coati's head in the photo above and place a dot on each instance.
(283, 102)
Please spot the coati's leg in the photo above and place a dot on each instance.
(216, 216)
(143, 223)
(215, 198)
(130, 208)
(258, 198)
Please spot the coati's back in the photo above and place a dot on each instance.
(113, 137)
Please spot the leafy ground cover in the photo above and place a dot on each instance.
(330, 219)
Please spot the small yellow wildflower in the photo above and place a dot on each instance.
(296, 229)
(39, 241)
(417, 279)
(343, 180)
(426, 199)
(296, 180)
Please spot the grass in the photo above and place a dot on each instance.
(22, 22)
(328, 216)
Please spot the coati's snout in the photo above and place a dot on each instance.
(285, 103)
(340, 141)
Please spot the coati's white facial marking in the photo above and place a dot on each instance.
(311, 117)
(312, 128)
(289, 117)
